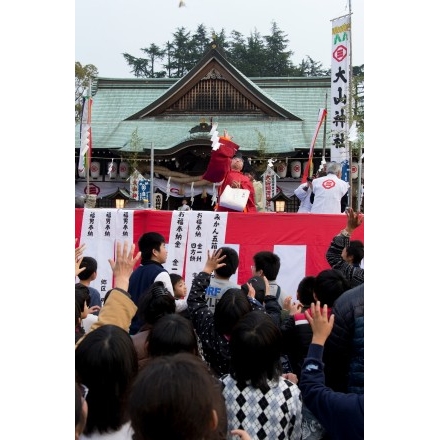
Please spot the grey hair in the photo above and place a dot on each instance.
(334, 168)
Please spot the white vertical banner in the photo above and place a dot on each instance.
(293, 266)
(100, 229)
(177, 242)
(340, 92)
(207, 230)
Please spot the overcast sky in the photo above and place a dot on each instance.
(104, 29)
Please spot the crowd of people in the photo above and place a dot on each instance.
(223, 360)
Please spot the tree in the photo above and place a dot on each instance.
(277, 57)
(358, 98)
(253, 56)
(200, 42)
(180, 54)
(309, 67)
(154, 53)
(83, 76)
(139, 66)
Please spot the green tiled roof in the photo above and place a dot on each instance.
(115, 100)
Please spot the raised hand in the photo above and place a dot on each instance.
(214, 261)
(321, 325)
(124, 264)
(354, 219)
(79, 257)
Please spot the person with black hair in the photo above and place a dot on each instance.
(214, 329)
(84, 317)
(155, 303)
(220, 282)
(268, 264)
(179, 291)
(172, 334)
(81, 409)
(106, 363)
(260, 201)
(177, 398)
(259, 397)
(154, 254)
(88, 275)
(346, 255)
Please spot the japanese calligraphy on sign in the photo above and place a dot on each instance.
(340, 83)
(101, 228)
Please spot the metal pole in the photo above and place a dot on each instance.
(152, 175)
(325, 131)
(359, 193)
(88, 154)
(350, 116)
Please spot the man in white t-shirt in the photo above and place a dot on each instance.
(329, 190)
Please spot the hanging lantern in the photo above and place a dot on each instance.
(123, 170)
(95, 169)
(295, 169)
(354, 170)
(282, 170)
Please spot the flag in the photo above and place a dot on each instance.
(85, 151)
(309, 165)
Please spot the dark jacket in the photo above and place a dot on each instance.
(344, 349)
(215, 345)
(297, 336)
(342, 415)
(140, 280)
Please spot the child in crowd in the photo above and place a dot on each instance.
(88, 275)
(179, 286)
(259, 397)
(179, 291)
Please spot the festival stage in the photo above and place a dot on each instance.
(301, 240)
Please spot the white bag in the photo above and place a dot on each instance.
(234, 198)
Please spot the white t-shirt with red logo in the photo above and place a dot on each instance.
(328, 191)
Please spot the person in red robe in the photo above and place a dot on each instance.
(236, 179)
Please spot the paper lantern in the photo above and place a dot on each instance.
(123, 170)
(95, 169)
(295, 169)
(282, 169)
(354, 170)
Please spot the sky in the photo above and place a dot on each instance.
(104, 29)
